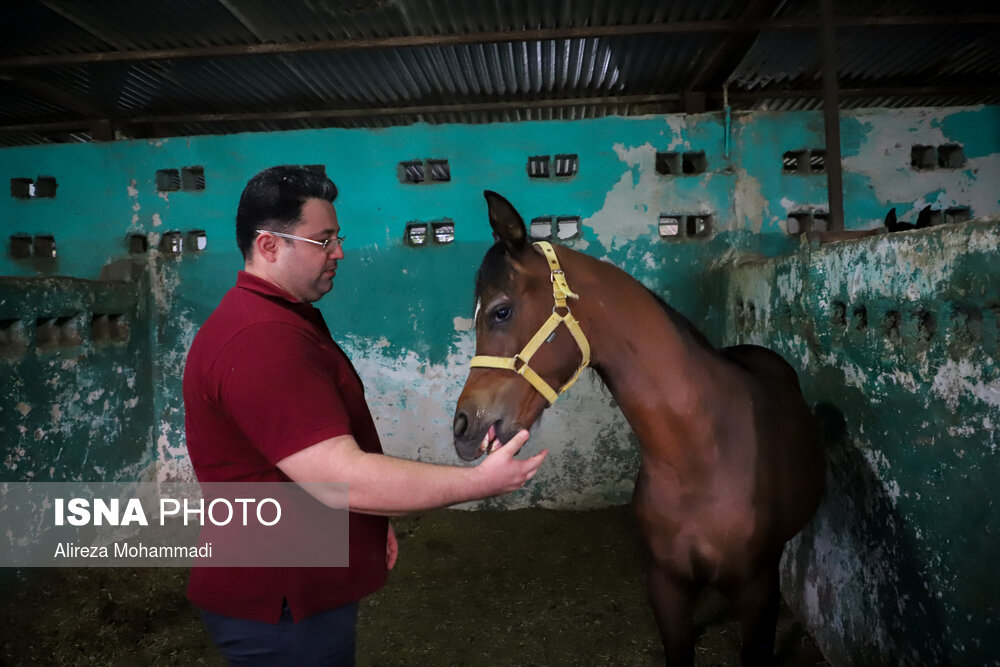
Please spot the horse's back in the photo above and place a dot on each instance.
(762, 362)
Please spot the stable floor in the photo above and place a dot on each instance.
(514, 588)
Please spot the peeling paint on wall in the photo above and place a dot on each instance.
(919, 347)
(897, 568)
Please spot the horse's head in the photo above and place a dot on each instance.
(518, 313)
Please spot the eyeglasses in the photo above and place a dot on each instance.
(329, 245)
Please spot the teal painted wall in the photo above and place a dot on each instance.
(897, 340)
(404, 314)
(75, 367)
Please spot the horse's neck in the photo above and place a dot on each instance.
(654, 367)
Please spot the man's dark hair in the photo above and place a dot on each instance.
(273, 200)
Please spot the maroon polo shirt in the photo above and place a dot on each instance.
(264, 380)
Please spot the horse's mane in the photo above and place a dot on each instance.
(681, 322)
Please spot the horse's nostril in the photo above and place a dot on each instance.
(461, 423)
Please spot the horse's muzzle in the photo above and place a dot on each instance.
(467, 438)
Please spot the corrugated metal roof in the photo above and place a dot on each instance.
(70, 71)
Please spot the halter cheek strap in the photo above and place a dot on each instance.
(561, 314)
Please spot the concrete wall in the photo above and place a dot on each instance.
(75, 368)
(898, 341)
(404, 315)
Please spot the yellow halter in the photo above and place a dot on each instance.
(519, 362)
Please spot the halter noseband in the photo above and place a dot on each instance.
(519, 362)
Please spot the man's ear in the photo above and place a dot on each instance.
(507, 224)
(265, 246)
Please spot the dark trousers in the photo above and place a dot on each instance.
(323, 640)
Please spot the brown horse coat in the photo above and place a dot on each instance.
(730, 462)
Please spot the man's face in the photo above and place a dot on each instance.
(305, 270)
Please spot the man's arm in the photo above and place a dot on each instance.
(389, 486)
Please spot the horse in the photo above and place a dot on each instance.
(730, 461)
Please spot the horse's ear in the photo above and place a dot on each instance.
(507, 224)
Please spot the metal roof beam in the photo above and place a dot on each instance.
(679, 27)
(875, 91)
(673, 100)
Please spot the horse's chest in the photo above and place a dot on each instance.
(696, 530)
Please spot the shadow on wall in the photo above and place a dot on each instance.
(857, 568)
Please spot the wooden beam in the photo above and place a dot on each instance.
(588, 32)
(674, 100)
(83, 123)
(513, 105)
(880, 91)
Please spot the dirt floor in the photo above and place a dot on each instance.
(527, 587)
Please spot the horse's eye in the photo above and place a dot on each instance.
(501, 313)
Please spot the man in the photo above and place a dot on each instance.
(270, 397)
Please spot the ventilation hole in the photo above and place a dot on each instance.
(567, 227)
(923, 157)
(820, 222)
(817, 161)
(538, 166)
(751, 315)
(699, 225)
(799, 222)
(172, 243)
(20, 246)
(109, 328)
(926, 325)
(566, 165)
(861, 318)
(668, 164)
(168, 180)
(444, 232)
(46, 334)
(100, 328)
(55, 332)
(951, 156)
(21, 188)
(138, 244)
(670, 226)
(416, 234)
(411, 172)
(120, 329)
(69, 336)
(440, 172)
(740, 315)
(795, 162)
(45, 187)
(541, 228)
(839, 317)
(958, 214)
(44, 246)
(890, 325)
(694, 163)
(196, 240)
(193, 178)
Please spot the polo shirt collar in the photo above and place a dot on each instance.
(250, 282)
